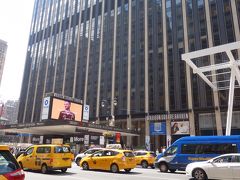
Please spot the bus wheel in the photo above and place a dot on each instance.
(163, 167)
(199, 174)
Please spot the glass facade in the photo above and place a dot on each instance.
(64, 51)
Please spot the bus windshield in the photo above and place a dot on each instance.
(171, 151)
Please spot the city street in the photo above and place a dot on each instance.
(77, 173)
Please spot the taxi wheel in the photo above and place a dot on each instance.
(144, 164)
(44, 169)
(85, 166)
(114, 168)
(163, 167)
(153, 167)
(199, 174)
(64, 170)
(127, 170)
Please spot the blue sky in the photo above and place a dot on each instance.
(15, 21)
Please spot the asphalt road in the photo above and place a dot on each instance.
(77, 173)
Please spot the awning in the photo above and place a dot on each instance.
(59, 127)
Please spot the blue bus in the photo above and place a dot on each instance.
(195, 148)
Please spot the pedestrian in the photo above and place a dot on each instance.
(163, 149)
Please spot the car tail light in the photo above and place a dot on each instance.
(123, 158)
(15, 175)
(18, 173)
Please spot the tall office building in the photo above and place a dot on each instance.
(3, 52)
(130, 51)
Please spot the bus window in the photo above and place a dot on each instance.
(209, 148)
(171, 151)
(189, 148)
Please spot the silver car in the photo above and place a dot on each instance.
(225, 166)
(86, 153)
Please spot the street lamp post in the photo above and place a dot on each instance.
(107, 104)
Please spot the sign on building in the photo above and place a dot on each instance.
(179, 127)
(86, 113)
(86, 140)
(158, 128)
(45, 108)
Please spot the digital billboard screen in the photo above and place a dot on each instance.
(66, 110)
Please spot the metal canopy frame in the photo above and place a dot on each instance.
(219, 75)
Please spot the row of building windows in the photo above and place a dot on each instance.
(62, 48)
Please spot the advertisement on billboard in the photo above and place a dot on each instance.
(158, 128)
(179, 127)
(66, 110)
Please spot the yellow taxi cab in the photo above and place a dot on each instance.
(145, 158)
(109, 159)
(9, 168)
(46, 157)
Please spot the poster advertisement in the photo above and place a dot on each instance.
(147, 143)
(101, 142)
(179, 127)
(118, 137)
(86, 140)
(158, 128)
(66, 110)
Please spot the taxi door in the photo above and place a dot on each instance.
(106, 159)
(130, 159)
(95, 160)
(43, 155)
(138, 157)
(28, 160)
(62, 156)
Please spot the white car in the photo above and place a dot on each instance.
(86, 153)
(225, 166)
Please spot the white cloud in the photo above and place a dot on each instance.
(15, 21)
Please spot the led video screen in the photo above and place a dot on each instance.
(66, 110)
